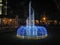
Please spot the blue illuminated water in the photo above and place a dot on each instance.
(34, 31)
(31, 30)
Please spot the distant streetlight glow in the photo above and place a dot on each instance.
(37, 21)
(55, 22)
(10, 20)
(4, 20)
(44, 18)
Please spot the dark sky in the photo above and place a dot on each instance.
(50, 7)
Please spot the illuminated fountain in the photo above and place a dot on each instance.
(31, 31)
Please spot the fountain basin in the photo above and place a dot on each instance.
(32, 32)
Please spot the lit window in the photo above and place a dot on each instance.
(0, 7)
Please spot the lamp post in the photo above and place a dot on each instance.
(44, 19)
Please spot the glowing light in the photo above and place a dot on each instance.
(30, 31)
(44, 18)
(35, 31)
(4, 20)
(10, 20)
(55, 21)
(0, 0)
(37, 21)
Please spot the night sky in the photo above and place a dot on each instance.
(50, 7)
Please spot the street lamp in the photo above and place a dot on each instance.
(4, 20)
(10, 20)
(44, 18)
